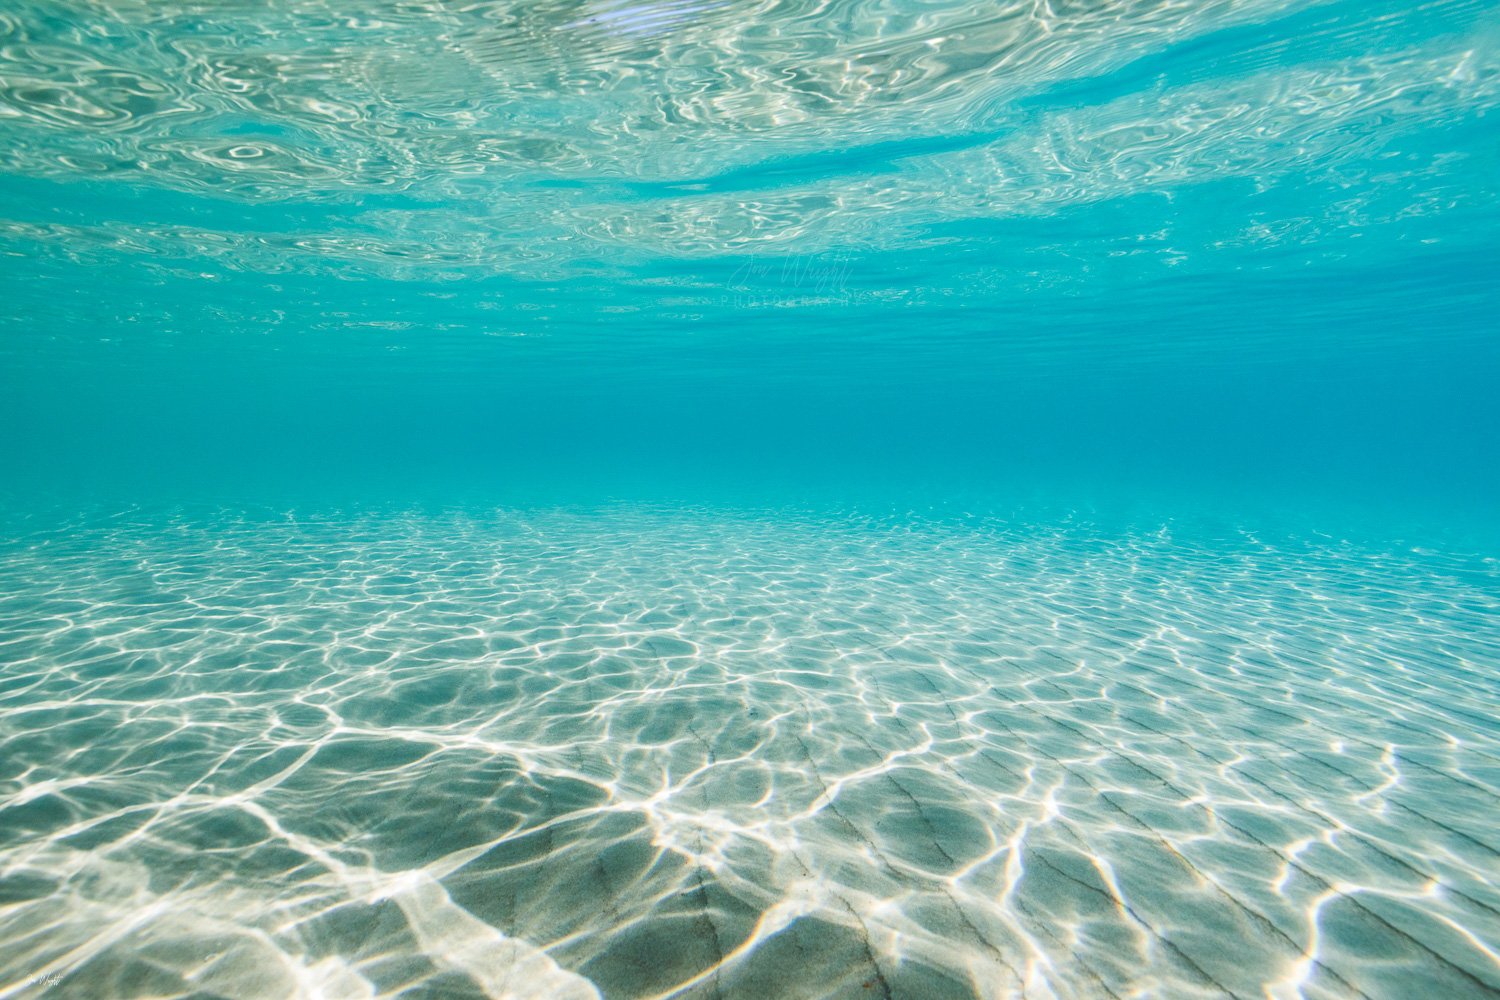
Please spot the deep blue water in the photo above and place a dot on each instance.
(749, 498)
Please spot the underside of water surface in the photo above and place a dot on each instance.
(738, 499)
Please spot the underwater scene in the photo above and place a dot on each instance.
(737, 499)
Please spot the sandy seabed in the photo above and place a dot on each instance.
(648, 752)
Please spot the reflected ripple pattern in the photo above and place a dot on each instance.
(656, 751)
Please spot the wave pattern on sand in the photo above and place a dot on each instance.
(652, 752)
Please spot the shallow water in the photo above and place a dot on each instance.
(749, 498)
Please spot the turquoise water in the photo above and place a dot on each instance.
(749, 499)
